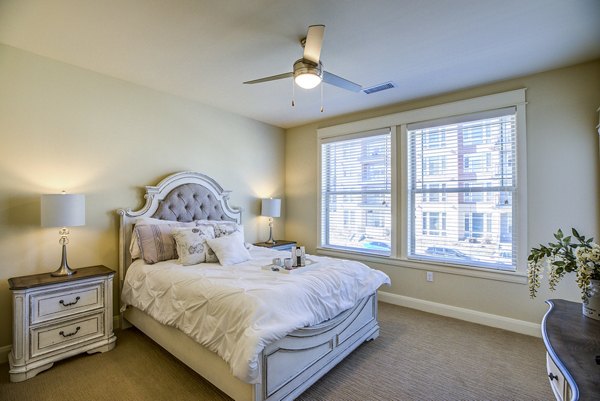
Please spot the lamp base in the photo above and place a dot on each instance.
(270, 240)
(64, 269)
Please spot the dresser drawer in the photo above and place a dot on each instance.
(66, 302)
(65, 334)
(557, 380)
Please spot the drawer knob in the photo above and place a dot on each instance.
(62, 333)
(62, 302)
(552, 376)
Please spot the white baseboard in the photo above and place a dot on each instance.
(469, 315)
(4, 353)
(5, 350)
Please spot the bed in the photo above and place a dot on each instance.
(283, 368)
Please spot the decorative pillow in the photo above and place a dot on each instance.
(229, 249)
(222, 228)
(156, 242)
(191, 244)
(225, 229)
(134, 246)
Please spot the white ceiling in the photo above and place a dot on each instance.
(204, 50)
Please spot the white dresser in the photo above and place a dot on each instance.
(58, 317)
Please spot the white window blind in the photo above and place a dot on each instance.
(356, 192)
(462, 189)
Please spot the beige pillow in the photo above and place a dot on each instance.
(156, 242)
(191, 244)
(230, 249)
(134, 246)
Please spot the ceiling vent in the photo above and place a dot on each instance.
(379, 88)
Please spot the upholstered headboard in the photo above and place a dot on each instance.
(184, 197)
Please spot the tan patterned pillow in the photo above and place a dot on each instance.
(191, 244)
(156, 242)
(134, 247)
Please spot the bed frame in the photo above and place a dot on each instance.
(288, 366)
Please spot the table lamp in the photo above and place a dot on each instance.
(63, 210)
(271, 208)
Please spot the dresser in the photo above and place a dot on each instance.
(573, 351)
(58, 317)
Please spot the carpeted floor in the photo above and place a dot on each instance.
(418, 356)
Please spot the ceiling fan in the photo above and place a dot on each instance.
(308, 71)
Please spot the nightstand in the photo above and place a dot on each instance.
(58, 317)
(280, 245)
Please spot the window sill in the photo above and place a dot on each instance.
(448, 268)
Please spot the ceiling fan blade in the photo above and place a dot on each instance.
(271, 78)
(314, 41)
(340, 82)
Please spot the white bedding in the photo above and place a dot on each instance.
(236, 310)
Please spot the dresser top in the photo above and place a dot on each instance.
(573, 342)
(38, 280)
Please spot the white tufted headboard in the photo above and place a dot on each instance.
(185, 196)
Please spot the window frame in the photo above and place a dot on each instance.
(397, 123)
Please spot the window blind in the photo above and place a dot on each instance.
(462, 189)
(356, 192)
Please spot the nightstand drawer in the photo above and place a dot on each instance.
(54, 337)
(66, 302)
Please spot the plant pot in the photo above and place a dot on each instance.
(591, 308)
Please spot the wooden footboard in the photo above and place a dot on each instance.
(289, 366)
(294, 363)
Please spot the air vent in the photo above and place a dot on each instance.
(379, 88)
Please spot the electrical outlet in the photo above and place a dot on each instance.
(429, 276)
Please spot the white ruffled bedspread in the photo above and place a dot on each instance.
(236, 310)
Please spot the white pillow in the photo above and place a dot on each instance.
(229, 249)
(191, 244)
(134, 246)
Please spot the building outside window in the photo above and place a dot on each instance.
(479, 178)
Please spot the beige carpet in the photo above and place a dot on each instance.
(418, 356)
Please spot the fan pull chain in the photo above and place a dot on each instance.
(322, 97)
(293, 93)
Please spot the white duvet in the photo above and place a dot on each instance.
(236, 310)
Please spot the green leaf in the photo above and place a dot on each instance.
(575, 233)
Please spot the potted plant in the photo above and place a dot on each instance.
(565, 256)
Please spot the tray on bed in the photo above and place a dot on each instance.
(310, 264)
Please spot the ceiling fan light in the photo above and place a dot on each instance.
(307, 80)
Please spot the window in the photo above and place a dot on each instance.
(470, 185)
(356, 192)
(434, 223)
(441, 188)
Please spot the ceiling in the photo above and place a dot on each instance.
(203, 50)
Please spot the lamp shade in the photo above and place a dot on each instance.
(63, 210)
(271, 207)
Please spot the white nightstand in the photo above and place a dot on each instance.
(58, 317)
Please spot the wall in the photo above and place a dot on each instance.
(63, 127)
(563, 186)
